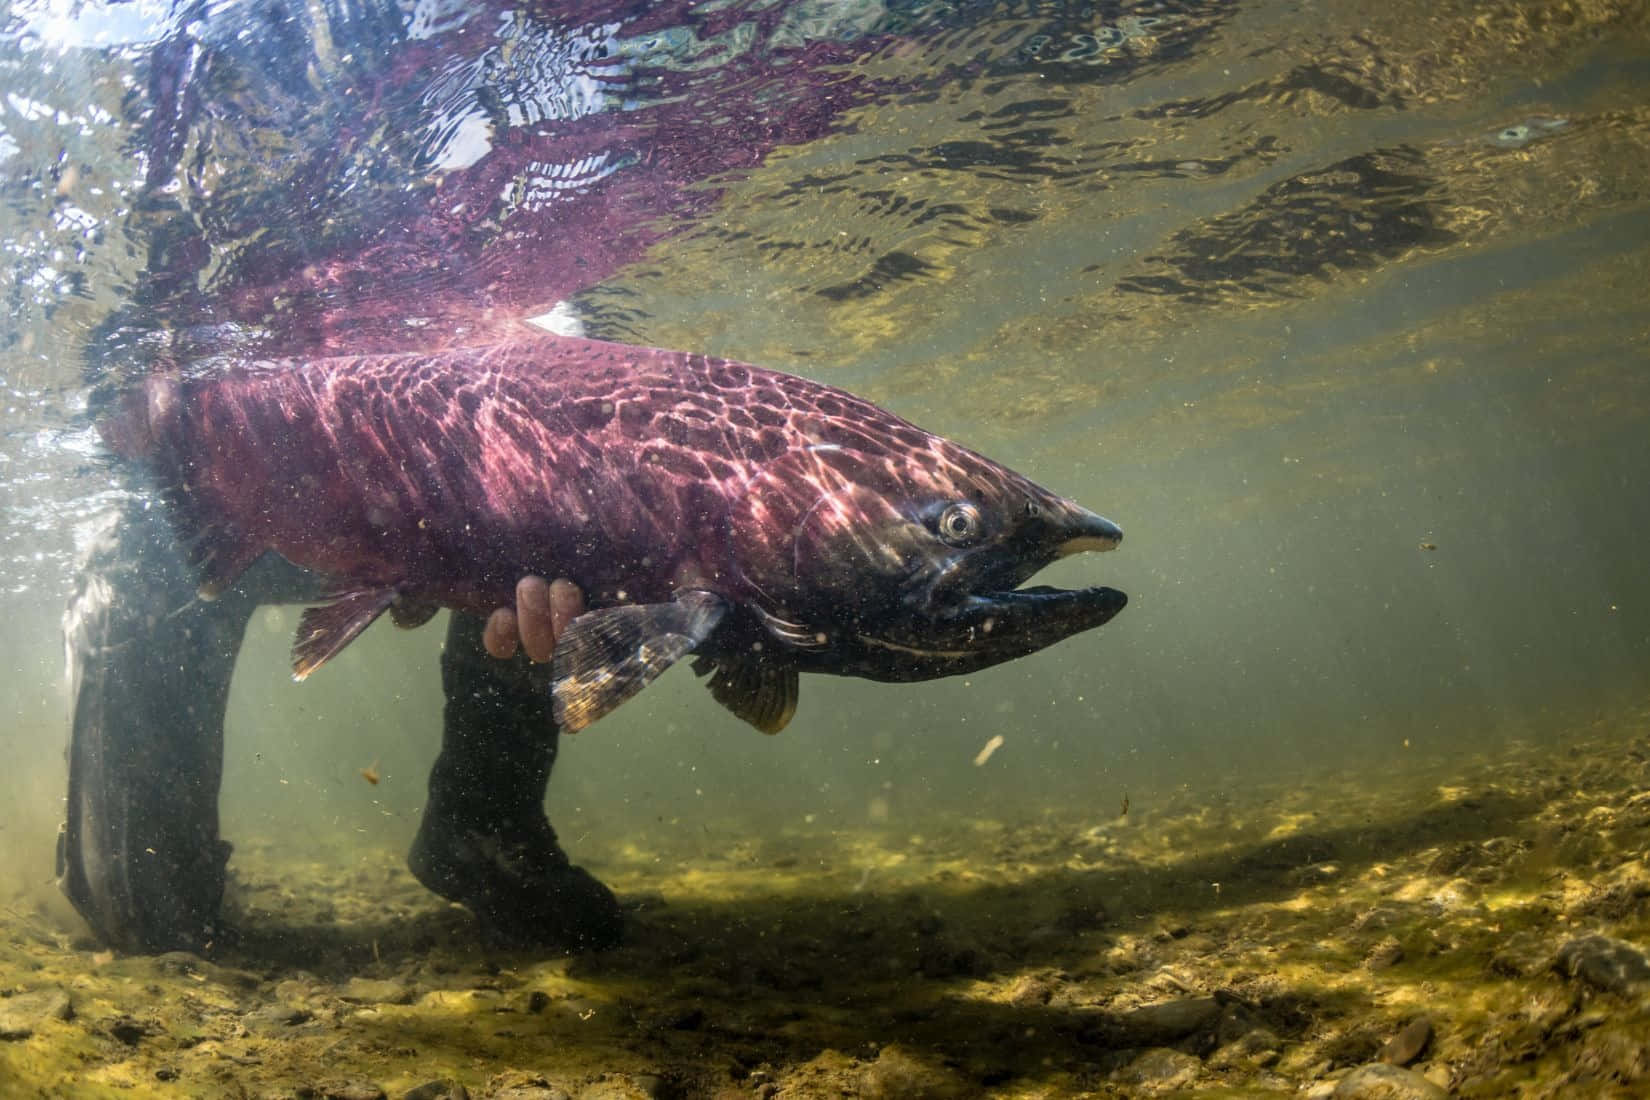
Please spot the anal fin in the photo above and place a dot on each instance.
(605, 657)
(324, 630)
(763, 693)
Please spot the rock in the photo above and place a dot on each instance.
(438, 1090)
(1259, 1046)
(128, 1030)
(1378, 919)
(1161, 1068)
(535, 1092)
(1614, 966)
(374, 991)
(1379, 1081)
(1387, 952)
(1166, 1021)
(275, 1019)
(339, 1088)
(22, 1013)
(1523, 955)
(1406, 1046)
(898, 1074)
(1029, 991)
(619, 1087)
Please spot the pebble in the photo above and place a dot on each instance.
(1254, 1046)
(643, 1087)
(1029, 991)
(1387, 952)
(349, 1089)
(275, 1019)
(519, 1086)
(898, 1075)
(1406, 1046)
(1614, 966)
(438, 1090)
(376, 991)
(1166, 1021)
(1379, 1081)
(22, 1013)
(1161, 1067)
(1523, 955)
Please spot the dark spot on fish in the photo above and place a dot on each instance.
(767, 416)
(770, 444)
(677, 461)
(469, 401)
(591, 415)
(728, 377)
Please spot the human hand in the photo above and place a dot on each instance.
(543, 610)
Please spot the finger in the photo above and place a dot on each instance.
(499, 635)
(566, 604)
(534, 618)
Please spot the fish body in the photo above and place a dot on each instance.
(766, 523)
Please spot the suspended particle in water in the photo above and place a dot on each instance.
(987, 749)
(370, 773)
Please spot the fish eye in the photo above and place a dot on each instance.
(960, 524)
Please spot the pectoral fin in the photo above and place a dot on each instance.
(605, 657)
(323, 631)
(763, 693)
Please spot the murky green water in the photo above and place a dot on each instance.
(1339, 309)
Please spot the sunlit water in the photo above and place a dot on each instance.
(1339, 309)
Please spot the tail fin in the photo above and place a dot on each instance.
(142, 417)
(145, 424)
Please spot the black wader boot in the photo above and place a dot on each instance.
(485, 841)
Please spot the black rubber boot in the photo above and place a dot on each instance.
(485, 841)
(139, 855)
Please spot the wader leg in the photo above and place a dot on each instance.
(139, 855)
(485, 841)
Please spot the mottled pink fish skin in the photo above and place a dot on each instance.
(632, 471)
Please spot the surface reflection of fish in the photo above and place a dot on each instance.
(769, 524)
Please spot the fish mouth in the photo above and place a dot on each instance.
(989, 628)
(1027, 619)
(996, 617)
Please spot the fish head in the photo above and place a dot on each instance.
(905, 559)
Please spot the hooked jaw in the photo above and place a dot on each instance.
(990, 618)
(1088, 531)
(1015, 621)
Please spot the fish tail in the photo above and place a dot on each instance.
(143, 417)
(145, 425)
